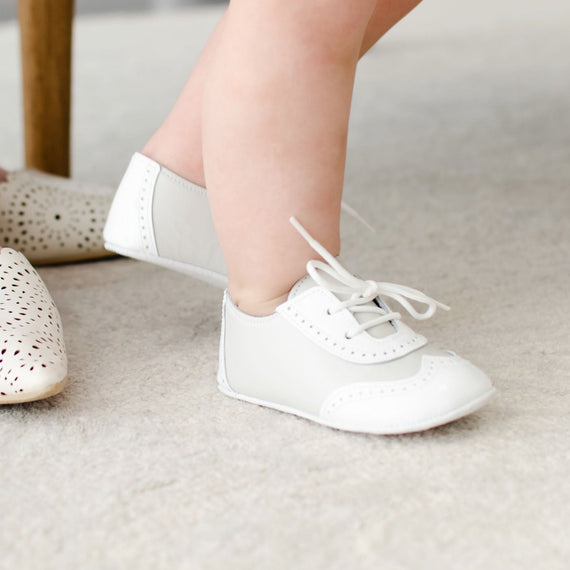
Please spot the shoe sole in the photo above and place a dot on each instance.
(35, 396)
(216, 279)
(433, 422)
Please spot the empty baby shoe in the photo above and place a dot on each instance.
(52, 219)
(33, 362)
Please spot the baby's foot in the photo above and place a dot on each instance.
(162, 218)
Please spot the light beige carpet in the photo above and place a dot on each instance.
(460, 157)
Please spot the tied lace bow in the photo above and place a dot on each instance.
(360, 293)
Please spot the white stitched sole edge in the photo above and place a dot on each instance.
(24, 397)
(429, 423)
(211, 277)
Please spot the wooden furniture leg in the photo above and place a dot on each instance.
(46, 30)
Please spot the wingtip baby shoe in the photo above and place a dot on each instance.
(335, 353)
(159, 217)
(33, 362)
(51, 219)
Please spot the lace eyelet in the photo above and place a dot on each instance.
(347, 336)
(329, 312)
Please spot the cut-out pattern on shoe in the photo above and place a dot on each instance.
(33, 362)
(52, 219)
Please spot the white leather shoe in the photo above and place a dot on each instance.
(33, 363)
(336, 354)
(159, 217)
(51, 219)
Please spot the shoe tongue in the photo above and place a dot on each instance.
(379, 331)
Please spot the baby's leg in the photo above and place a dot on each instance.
(275, 120)
(276, 103)
(177, 144)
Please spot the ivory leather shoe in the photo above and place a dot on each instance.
(33, 362)
(51, 219)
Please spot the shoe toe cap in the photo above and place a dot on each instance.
(30, 371)
(29, 385)
(444, 389)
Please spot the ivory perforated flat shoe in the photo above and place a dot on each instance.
(159, 217)
(335, 353)
(51, 219)
(33, 362)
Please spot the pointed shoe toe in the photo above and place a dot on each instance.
(33, 361)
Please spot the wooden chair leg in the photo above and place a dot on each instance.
(46, 30)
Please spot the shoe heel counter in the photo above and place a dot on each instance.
(129, 223)
(222, 377)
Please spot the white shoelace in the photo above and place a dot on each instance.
(353, 213)
(336, 279)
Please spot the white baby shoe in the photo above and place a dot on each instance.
(335, 353)
(159, 217)
(33, 363)
(53, 219)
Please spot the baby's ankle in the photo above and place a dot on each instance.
(256, 304)
(187, 168)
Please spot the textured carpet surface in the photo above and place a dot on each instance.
(460, 157)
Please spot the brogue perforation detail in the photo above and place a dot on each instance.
(342, 347)
(378, 389)
(145, 211)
